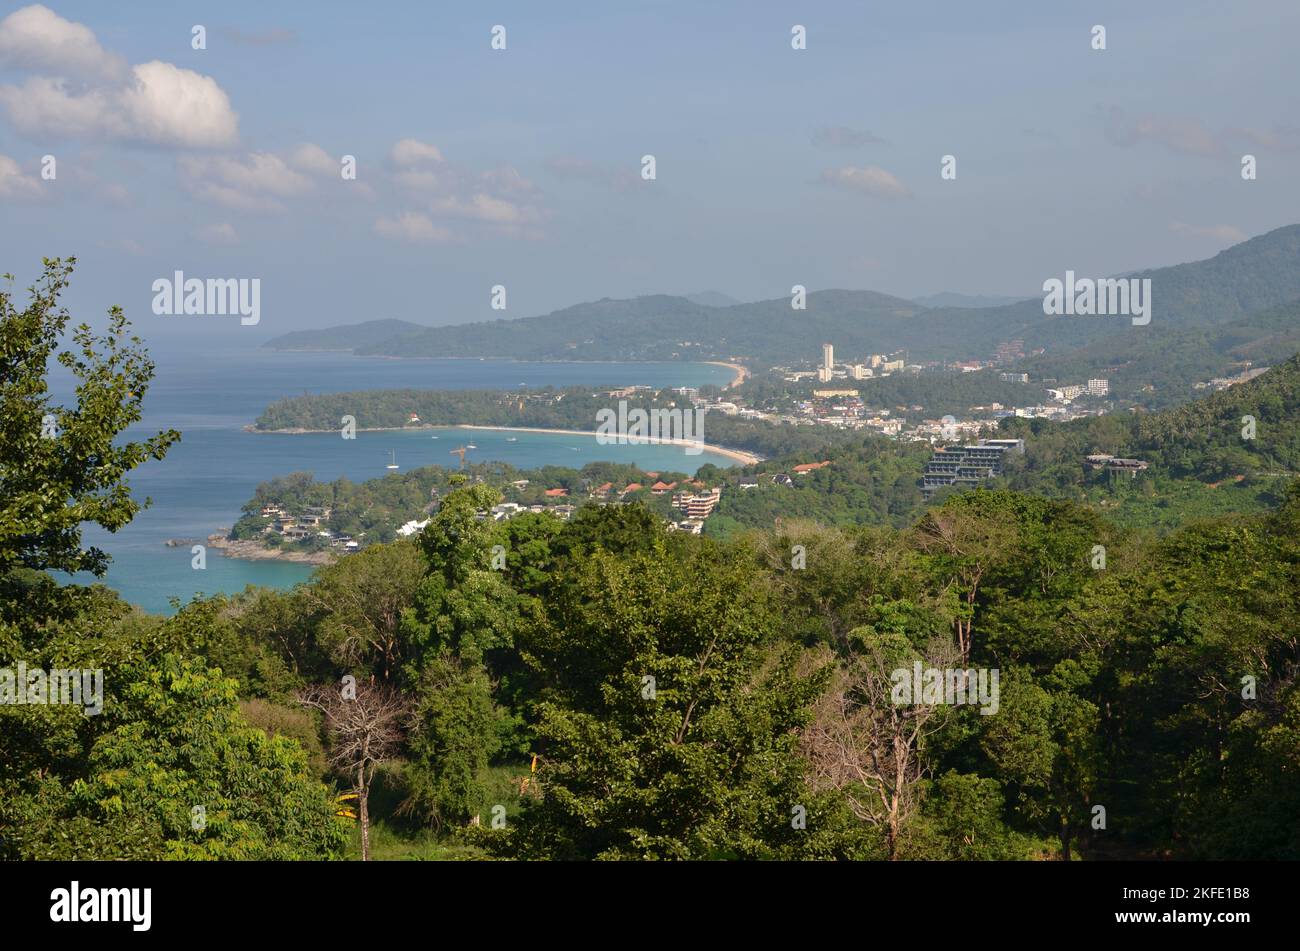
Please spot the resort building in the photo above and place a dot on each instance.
(967, 465)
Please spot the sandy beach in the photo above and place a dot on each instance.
(747, 458)
(741, 372)
(739, 455)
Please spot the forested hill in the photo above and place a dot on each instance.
(1160, 370)
(1252, 276)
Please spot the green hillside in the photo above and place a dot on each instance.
(1250, 277)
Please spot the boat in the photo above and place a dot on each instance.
(393, 464)
(470, 446)
(512, 439)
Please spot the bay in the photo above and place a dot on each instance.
(210, 389)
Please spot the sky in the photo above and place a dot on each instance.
(522, 167)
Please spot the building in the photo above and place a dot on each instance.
(1104, 460)
(697, 506)
(1014, 377)
(1098, 387)
(810, 466)
(860, 372)
(967, 465)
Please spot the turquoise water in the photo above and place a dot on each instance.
(209, 392)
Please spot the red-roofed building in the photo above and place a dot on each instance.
(659, 488)
(633, 487)
(556, 493)
(810, 466)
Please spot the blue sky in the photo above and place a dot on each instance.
(522, 167)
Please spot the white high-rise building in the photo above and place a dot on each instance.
(826, 372)
(1098, 387)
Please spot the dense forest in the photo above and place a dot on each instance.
(1000, 676)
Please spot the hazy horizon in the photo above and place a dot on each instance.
(522, 166)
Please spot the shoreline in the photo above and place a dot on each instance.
(739, 455)
(741, 373)
(255, 551)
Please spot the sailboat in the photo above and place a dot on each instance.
(393, 464)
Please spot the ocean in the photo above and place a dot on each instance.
(210, 391)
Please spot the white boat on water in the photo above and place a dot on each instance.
(512, 439)
(393, 464)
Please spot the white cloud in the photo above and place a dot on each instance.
(43, 107)
(14, 184)
(167, 105)
(409, 153)
(497, 200)
(869, 180)
(411, 226)
(153, 103)
(37, 38)
(253, 183)
(314, 159)
(484, 208)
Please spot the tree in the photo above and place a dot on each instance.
(457, 730)
(1044, 742)
(365, 728)
(178, 774)
(361, 600)
(964, 546)
(61, 466)
(668, 715)
(866, 745)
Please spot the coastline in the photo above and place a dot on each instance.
(738, 455)
(739, 378)
(255, 551)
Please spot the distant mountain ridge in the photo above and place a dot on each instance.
(713, 299)
(1260, 273)
(975, 301)
(344, 336)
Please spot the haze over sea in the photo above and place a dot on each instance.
(210, 388)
